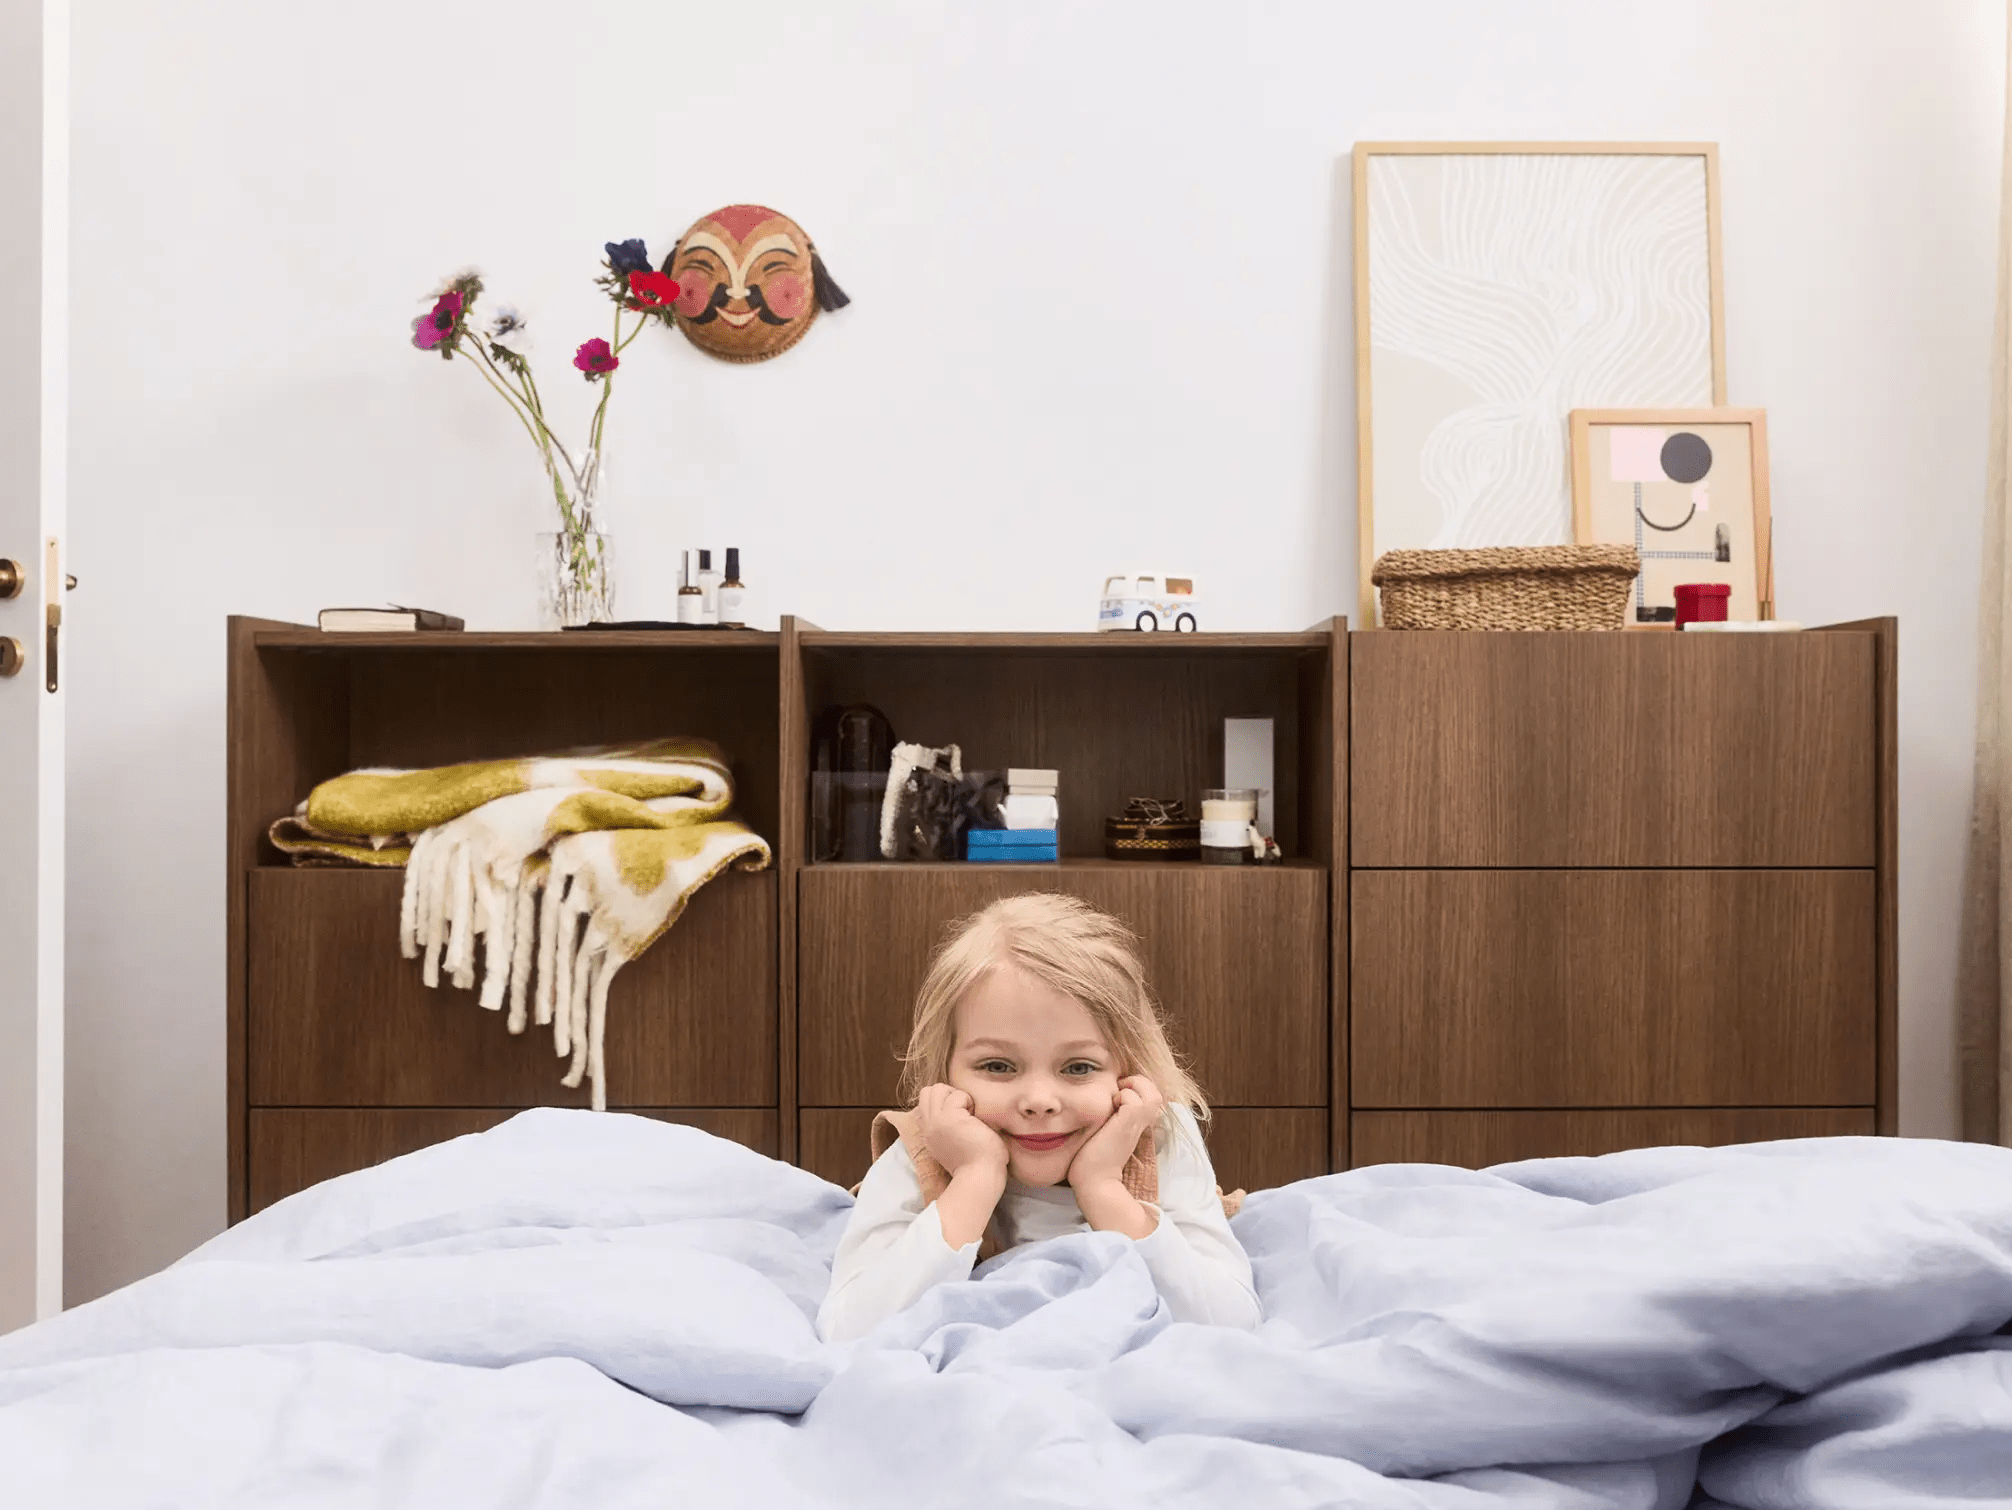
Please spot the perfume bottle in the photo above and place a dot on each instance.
(691, 597)
(709, 589)
(731, 592)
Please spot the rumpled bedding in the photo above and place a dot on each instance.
(600, 1310)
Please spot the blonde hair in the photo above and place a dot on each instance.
(1071, 947)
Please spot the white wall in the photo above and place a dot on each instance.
(1099, 254)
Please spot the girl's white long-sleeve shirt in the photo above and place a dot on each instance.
(893, 1248)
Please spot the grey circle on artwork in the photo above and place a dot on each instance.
(1686, 457)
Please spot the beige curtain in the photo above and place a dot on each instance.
(1985, 982)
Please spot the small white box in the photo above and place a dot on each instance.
(1023, 812)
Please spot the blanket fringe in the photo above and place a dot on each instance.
(528, 931)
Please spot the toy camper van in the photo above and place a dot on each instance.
(1148, 602)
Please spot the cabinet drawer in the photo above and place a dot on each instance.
(1252, 1147)
(293, 1149)
(1237, 957)
(1612, 988)
(1612, 749)
(1476, 1140)
(336, 1017)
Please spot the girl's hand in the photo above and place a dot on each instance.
(955, 1137)
(1101, 1160)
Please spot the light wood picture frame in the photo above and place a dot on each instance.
(1498, 286)
(1688, 488)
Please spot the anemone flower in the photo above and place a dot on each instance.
(438, 327)
(510, 330)
(628, 256)
(595, 358)
(653, 289)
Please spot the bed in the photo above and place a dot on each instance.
(580, 1309)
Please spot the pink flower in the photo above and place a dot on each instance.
(594, 358)
(430, 330)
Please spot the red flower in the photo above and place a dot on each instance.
(429, 330)
(594, 358)
(653, 288)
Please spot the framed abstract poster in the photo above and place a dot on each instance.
(1498, 287)
(1688, 489)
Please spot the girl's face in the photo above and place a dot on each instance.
(1037, 1071)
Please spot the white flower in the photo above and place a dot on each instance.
(509, 329)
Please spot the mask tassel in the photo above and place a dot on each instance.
(829, 295)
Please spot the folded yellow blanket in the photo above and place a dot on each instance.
(565, 866)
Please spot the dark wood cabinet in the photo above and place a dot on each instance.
(1479, 1139)
(1236, 956)
(1628, 749)
(338, 1056)
(1614, 889)
(1558, 988)
(1544, 894)
(335, 1017)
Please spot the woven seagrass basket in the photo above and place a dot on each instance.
(1507, 587)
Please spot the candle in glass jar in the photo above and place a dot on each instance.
(1227, 816)
(1229, 806)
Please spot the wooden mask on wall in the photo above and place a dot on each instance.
(751, 283)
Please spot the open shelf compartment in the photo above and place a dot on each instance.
(1118, 716)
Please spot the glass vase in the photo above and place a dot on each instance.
(576, 578)
(576, 562)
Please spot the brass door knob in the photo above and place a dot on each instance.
(10, 656)
(10, 579)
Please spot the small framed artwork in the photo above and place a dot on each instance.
(1688, 489)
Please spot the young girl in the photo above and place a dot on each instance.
(1045, 1099)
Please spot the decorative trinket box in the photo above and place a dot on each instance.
(1153, 829)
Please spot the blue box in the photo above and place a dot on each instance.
(1010, 838)
(1011, 845)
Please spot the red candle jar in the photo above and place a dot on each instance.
(1702, 602)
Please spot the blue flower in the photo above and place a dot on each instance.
(628, 256)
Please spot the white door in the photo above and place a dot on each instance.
(34, 215)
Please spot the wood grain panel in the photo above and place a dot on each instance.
(505, 641)
(1117, 725)
(338, 1018)
(1263, 1147)
(1252, 1147)
(1238, 957)
(1125, 647)
(1324, 759)
(1886, 661)
(793, 764)
(423, 707)
(1477, 1140)
(286, 728)
(833, 1142)
(1613, 988)
(293, 1149)
(1613, 749)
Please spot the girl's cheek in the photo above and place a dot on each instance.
(1099, 1111)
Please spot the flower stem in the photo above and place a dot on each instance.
(538, 409)
(537, 431)
(623, 344)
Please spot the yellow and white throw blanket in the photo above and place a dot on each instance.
(565, 866)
